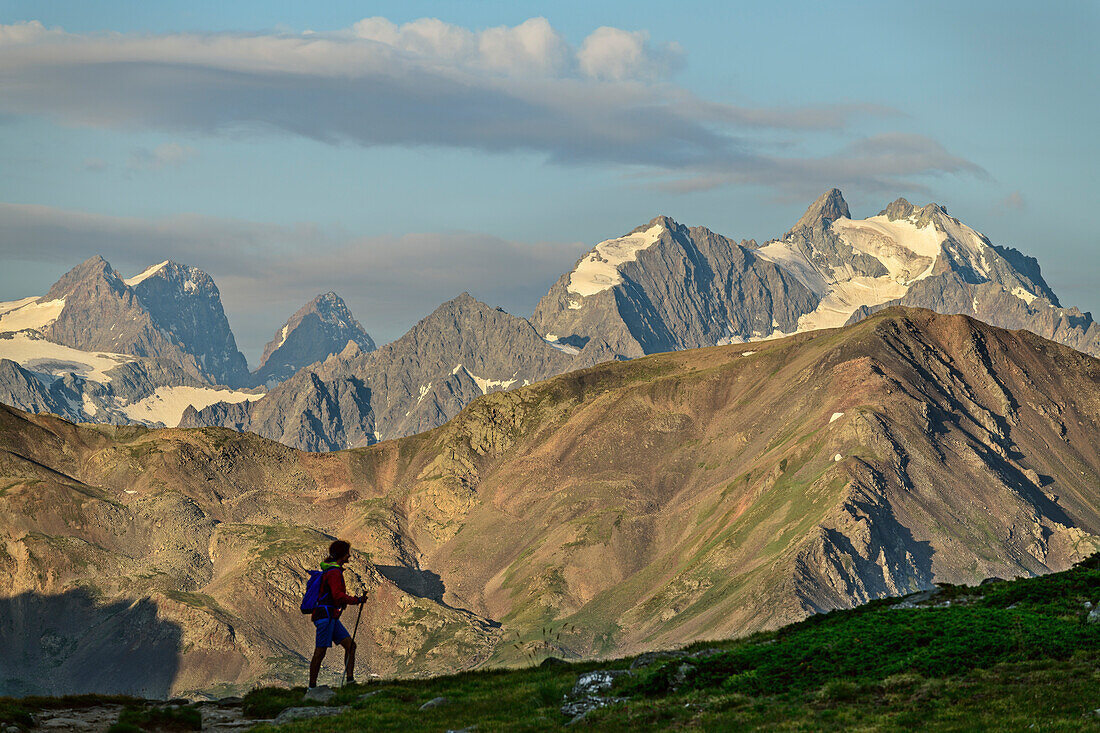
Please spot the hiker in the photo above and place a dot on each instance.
(332, 598)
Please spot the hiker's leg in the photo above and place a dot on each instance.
(315, 664)
(341, 636)
(349, 658)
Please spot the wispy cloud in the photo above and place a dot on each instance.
(609, 100)
(166, 155)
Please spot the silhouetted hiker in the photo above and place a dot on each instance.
(328, 602)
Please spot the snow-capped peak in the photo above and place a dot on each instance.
(599, 270)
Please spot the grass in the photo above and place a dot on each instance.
(135, 718)
(1004, 656)
(1014, 655)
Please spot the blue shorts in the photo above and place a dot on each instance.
(330, 631)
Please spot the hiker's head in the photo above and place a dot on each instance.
(339, 551)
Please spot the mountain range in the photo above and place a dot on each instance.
(321, 385)
(624, 506)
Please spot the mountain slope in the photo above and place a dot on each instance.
(319, 329)
(631, 505)
(665, 287)
(461, 351)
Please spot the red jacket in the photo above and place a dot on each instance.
(334, 596)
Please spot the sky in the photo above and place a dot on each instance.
(402, 153)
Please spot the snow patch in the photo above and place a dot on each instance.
(1023, 295)
(836, 308)
(836, 416)
(907, 252)
(136, 279)
(837, 458)
(565, 348)
(747, 353)
(167, 404)
(791, 259)
(29, 313)
(38, 355)
(282, 336)
(599, 270)
(90, 408)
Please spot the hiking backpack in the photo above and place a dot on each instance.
(312, 598)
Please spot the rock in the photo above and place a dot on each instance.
(1094, 616)
(469, 729)
(585, 697)
(683, 672)
(316, 711)
(991, 581)
(322, 693)
(644, 660)
(366, 695)
(11, 729)
(704, 653)
(913, 600)
(591, 683)
(434, 703)
(553, 662)
(229, 702)
(64, 724)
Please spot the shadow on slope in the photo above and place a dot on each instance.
(71, 644)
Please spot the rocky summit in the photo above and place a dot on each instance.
(622, 507)
(322, 327)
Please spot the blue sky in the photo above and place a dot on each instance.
(288, 151)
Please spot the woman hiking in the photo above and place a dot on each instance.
(331, 602)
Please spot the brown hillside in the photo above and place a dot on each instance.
(631, 505)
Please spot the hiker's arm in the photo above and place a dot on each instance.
(339, 592)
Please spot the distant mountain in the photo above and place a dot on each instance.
(322, 327)
(661, 287)
(665, 287)
(185, 303)
(98, 348)
(461, 351)
(630, 506)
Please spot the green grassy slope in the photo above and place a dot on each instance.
(1003, 656)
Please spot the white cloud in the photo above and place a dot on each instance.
(427, 82)
(618, 55)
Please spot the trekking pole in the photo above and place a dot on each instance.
(357, 619)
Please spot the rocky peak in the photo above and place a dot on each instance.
(94, 270)
(322, 327)
(901, 208)
(828, 207)
(660, 220)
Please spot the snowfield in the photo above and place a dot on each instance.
(600, 269)
(168, 404)
(29, 313)
(38, 355)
